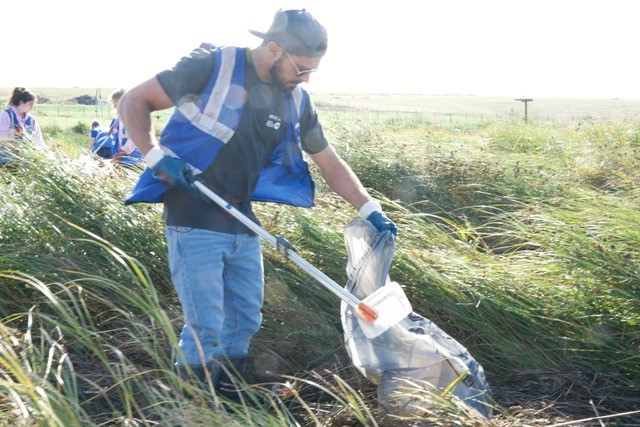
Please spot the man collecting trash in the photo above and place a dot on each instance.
(240, 125)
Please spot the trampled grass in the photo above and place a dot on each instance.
(520, 241)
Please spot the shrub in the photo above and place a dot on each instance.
(81, 128)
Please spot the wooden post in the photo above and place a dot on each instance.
(98, 101)
(525, 100)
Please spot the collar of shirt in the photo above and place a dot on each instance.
(21, 117)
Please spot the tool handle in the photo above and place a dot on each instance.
(367, 312)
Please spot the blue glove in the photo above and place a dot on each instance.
(174, 171)
(382, 223)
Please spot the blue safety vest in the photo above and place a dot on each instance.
(198, 129)
(6, 154)
(29, 123)
(120, 138)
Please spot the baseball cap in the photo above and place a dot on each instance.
(297, 32)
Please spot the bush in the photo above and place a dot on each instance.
(81, 128)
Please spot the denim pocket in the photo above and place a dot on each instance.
(179, 228)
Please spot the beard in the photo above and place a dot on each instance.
(276, 73)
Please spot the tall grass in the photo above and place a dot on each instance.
(520, 241)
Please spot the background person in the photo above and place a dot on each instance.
(17, 123)
(125, 150)
(93, 134)
(242, 119)
(16, 120)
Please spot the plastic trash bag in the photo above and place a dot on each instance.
(414, 362)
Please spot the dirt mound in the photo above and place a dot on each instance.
(84, 100)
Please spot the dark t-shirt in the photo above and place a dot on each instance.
(234, 172)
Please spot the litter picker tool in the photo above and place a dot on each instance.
(376, 313)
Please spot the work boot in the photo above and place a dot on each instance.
(198, 374)
(230, 377)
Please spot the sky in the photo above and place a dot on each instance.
(512, 48)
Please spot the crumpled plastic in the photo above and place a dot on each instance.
(415, 364)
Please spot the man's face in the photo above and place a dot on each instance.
(290, 70)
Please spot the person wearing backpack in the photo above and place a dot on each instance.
(241, 124)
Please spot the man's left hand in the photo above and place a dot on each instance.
(382, 223)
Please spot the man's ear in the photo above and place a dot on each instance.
(273, 50)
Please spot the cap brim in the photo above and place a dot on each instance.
(258, 34)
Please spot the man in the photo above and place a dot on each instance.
(240, 123)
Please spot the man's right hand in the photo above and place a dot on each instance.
(172, 170)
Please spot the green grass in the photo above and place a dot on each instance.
(520, 241)
(60, 112)
(448, 108)
(58, 95)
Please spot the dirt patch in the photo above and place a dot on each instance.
(526, 398)
(84, 100)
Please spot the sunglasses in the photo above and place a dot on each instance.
(299, 72)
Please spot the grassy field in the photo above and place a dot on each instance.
(519, 240)
(61, 111)
(540, 109)
(442, 107)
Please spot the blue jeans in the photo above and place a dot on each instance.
(220, 284)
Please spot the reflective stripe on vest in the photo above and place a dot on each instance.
(207, 119)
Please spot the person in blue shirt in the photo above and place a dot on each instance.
(93, 133)
(241, 124)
